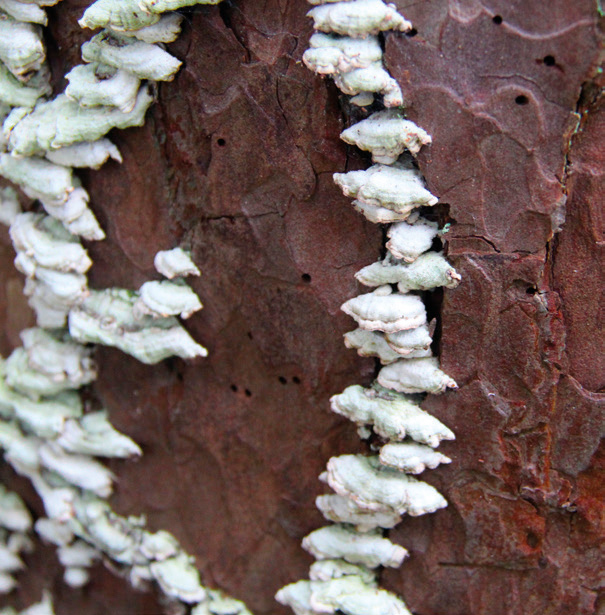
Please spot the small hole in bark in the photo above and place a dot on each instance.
(542, 562)
(250, 336)
(531, 290)
(248, 393)
(549, 60)
(234, 388)
(282, 380)
(305, 277)
(296, 380)
(521, 99)
(532, 540)
(497, 19)
(221, 142)
(411, 33)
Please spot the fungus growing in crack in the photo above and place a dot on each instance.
(373, 344)
(387, 135)
(416, 376)
(166, 298)
(107, 317)
(340, 541)
(357, 18)
(411, 238)
(125, 53)
(430, 270)
(14, 515)
(175, 263)
(397, 188)
(329, 54)
(373, 486)
(392, 415)
(383, 310)
(373, 79)
(410, 457)
(411, 341)
(93, 85)
(117, 15)
(326, 569)
(339, 509)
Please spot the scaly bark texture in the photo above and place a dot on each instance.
(235, 160)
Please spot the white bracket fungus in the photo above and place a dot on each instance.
(341, 509)
(392, 415)
(383, 310)
(368, 549)
(407, 343)
(430, 270)
(374, 344)
(410, 457)
(117, 15)
(387, 135)
(17, 94)
(416, 376)
(165, 298)
(87, 154)
(396, 188)
(175, 262)
(92, 85)
(141, 59)
(107, 317)
(162, 6)
(21, 47)
(373, 486)
(369, 80)
(408, 240)
(329, 54)
(358, 18)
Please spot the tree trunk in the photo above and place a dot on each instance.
(235, 160)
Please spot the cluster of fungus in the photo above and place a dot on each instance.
(48, 432)
(373, 492)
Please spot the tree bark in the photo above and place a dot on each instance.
(235, 160)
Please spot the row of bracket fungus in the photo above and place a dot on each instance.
(48, 433)
(371, 493)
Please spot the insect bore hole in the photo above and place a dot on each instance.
(306, 278)
(549, 60)
(282, 380)
(497, 19)
(411, 33)
(522, 99)
(221, 142)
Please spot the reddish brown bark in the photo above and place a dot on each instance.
(235, 160)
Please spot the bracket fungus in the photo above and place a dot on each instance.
(416, 376)
(94, 85)
(329, 54)
(175, 262)
(430, 270)
(410, 457)
(358, 18)
(409, 239)
(374, 344)
(373, 486)
(143, 60)
(384, 310)
(386, 135)
(397, 188)
(339, 541)
(108, 318)
(117, 15)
